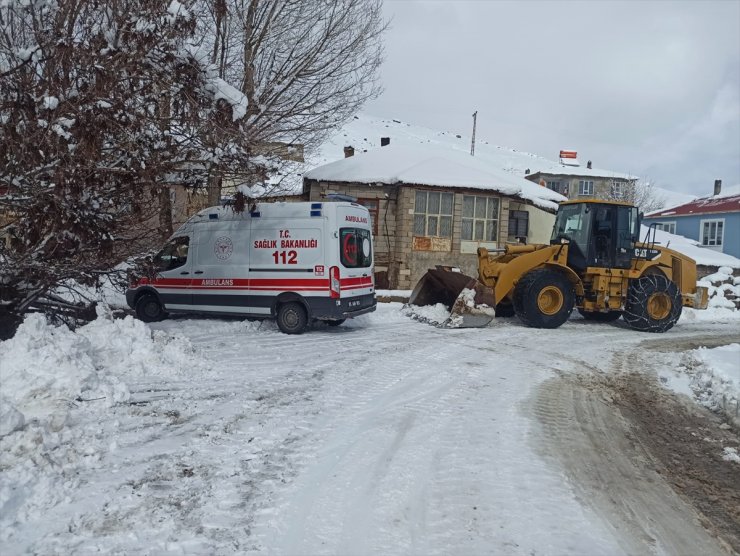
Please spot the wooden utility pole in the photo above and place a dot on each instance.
(472, 142)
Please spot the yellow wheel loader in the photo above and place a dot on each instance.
(594, 262)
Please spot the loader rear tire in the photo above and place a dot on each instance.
(653, 304)
(543, 298)
(596, 316)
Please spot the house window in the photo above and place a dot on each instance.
(554, 185)
(669, 227)
(372, 205)
(586, 187)
(619, 189)
(480, 218)
(518, 223)
(433, 214)
(712, 232)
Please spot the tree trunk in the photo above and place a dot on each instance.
(165, 212)
(215, 180)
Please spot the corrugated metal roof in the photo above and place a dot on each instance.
(702, 206)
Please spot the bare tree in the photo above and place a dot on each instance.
(86, 141)
(305, 68)
(640, 192)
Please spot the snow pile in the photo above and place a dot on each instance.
(57, 389)
(45, 371)
(730, 454)
(436, 315)
(724, 289)
(714, 378)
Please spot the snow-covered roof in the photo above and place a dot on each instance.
(726, 201)
(432, 166)
(364, 132)
(692, 248)
(580, 171)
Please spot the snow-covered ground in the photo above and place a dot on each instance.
(382, 436)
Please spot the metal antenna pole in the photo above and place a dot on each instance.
(472, 141)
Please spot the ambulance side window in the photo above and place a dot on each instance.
(173, 255)
(355, 248)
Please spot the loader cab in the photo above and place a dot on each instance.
(600, 234)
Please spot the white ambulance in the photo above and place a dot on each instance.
(291, 261)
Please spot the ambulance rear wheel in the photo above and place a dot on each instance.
(336, 322)
(292, 318)
(149, 309)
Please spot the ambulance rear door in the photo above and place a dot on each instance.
(355, 250)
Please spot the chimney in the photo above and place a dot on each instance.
(526, 171)
(717, 187)
(588, 164)
(349, 151)
(385, 141)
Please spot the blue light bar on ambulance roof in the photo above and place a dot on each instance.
(315, 206)
(255, 214)
(213, 216)
(315, 213)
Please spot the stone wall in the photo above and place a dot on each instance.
(401, 258)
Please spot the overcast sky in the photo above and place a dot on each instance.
(651, 88)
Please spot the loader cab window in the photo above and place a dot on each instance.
(572, 223)
(628, 230)
(173, 255)
(602, 240)
(355, 248)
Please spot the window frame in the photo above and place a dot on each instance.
(486, 220)
(374, 212)
(719, 223)
(619, 189)
(554, 185)
(513, 217)
(430, 215)
(669, 224)
(362, 260)
(581, 188)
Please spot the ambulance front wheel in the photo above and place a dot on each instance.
(292, 318)
(149, 309)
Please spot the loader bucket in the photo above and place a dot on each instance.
(471, 304)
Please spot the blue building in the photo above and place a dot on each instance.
(712, 221)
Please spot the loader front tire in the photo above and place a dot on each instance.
(653, 304)
(543, 298)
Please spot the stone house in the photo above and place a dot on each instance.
(431, 206)
(571, 179)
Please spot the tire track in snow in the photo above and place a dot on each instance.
(610, 470)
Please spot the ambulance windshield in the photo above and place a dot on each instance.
(355, 248)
